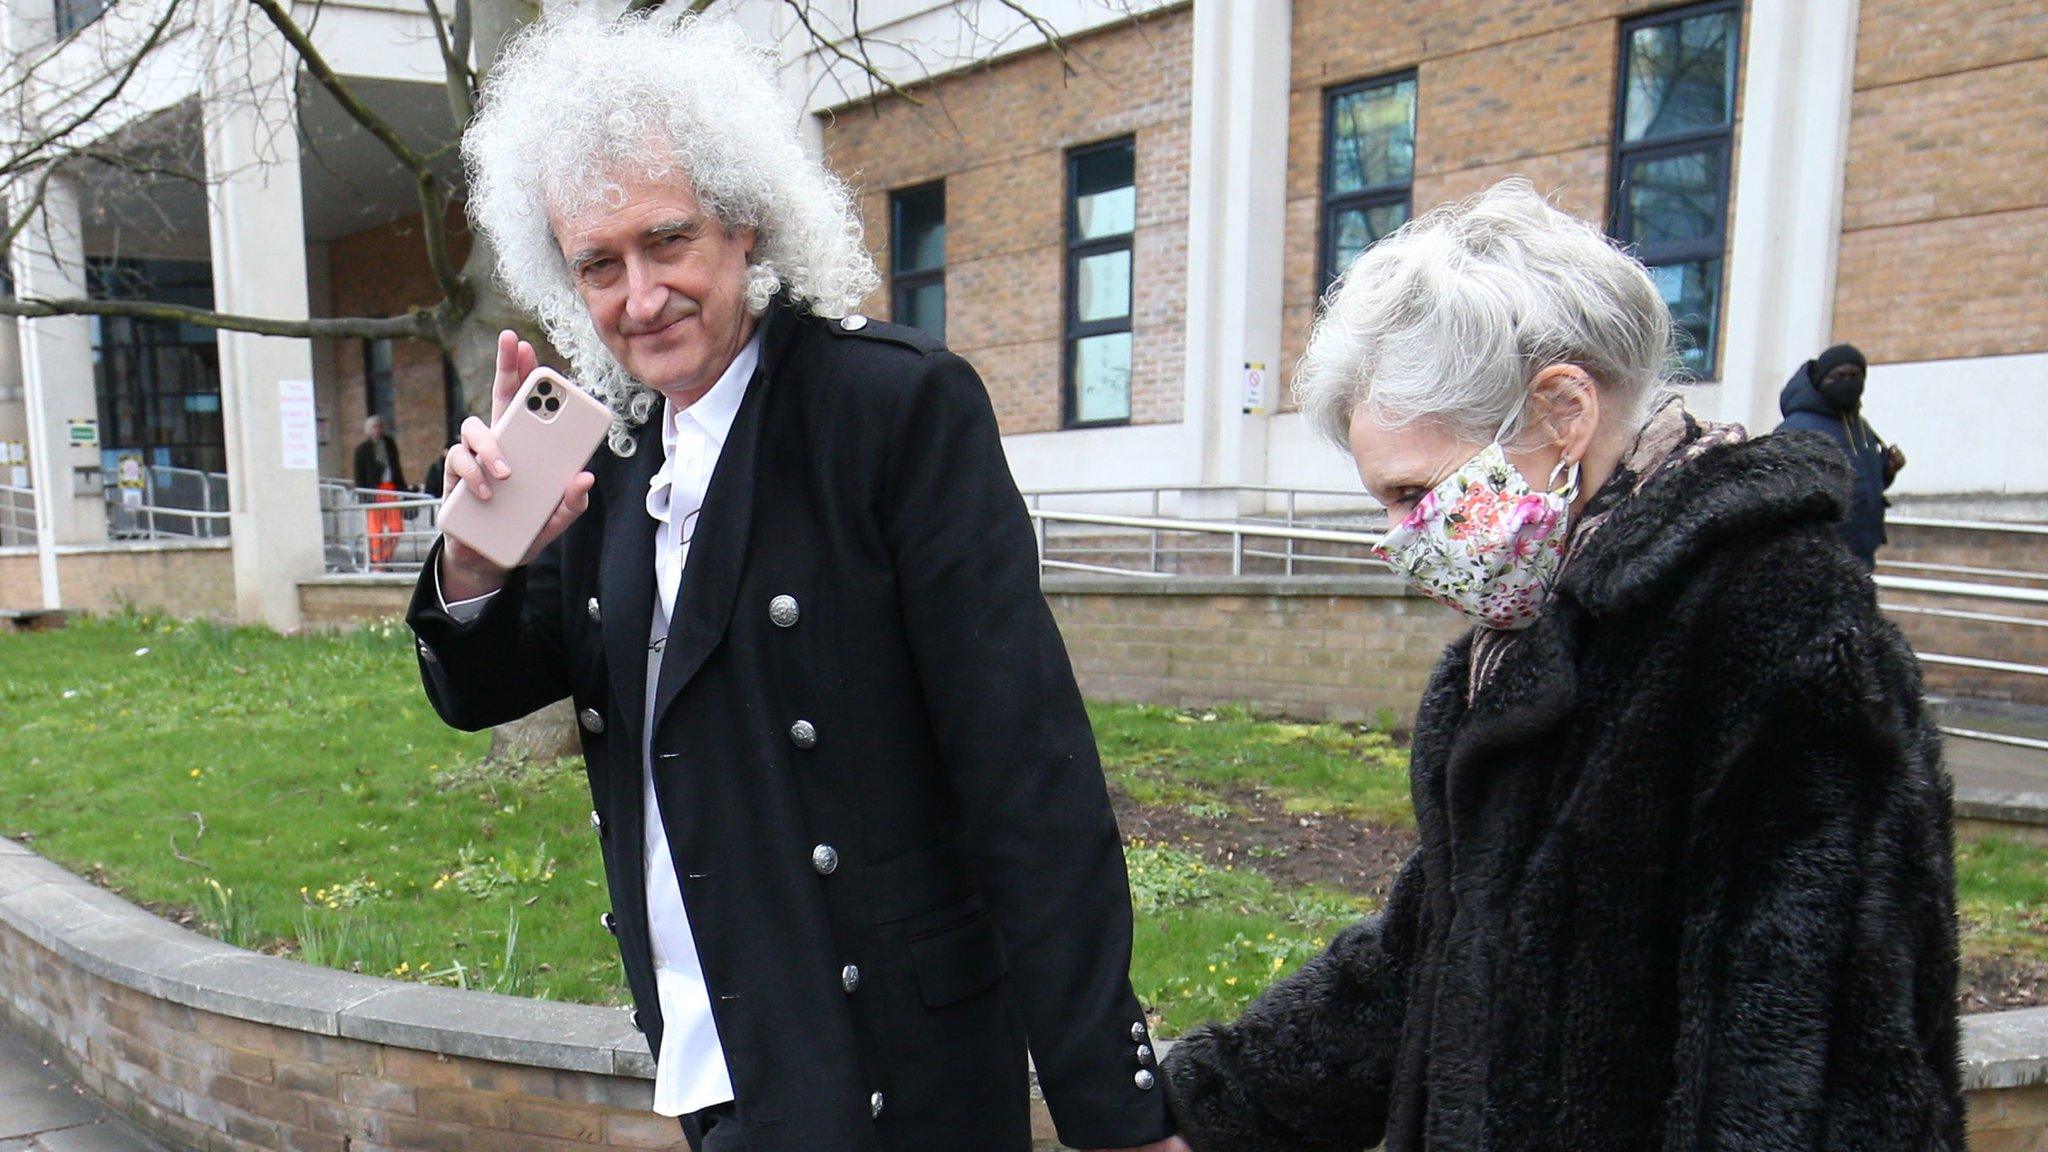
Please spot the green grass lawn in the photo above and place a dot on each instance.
(297, 795)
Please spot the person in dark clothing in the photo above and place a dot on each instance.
(377, 461)
(1826, 395)
(1684, 880)
(379, 480)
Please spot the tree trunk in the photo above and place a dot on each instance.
(547, 735)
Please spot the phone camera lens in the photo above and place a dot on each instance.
(533, 403)
(544, 387)
(553, 404)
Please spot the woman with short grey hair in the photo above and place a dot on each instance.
(1684, 879)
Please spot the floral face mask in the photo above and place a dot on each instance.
(1484, 542)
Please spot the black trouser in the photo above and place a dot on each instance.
(715, 1129)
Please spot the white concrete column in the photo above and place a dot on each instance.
(57, 372)
(1788, 199)
(259, 267)
(1237, 197)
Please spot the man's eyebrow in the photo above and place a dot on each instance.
(686, 227)
(577, 262)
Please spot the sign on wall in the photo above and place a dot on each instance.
(83, 433)
(298, 425)
(1254, 387)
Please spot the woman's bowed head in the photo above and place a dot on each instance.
(1684, 878)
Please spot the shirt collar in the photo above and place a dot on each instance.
(715, 410)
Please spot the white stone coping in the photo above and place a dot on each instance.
(1377, 586)
(116, 941)
(119, 547)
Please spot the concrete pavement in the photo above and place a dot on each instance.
(41, 1110)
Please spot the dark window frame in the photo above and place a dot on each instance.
(902, 281)
(1721, 138)
(67, 17)
(1380, 195)
(1073, 328)
(390, 375)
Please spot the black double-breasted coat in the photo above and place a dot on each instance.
(877, 780)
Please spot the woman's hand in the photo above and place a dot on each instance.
(465, 573)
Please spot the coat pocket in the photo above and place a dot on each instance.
(958, 962)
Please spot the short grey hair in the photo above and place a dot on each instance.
(579, 101)
(1448, 318)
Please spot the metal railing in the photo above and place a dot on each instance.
(1157, 547)
(371, 530)
(172, 504)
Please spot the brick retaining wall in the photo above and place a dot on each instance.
(179, 578)
(214, 1049)
(1338, 648)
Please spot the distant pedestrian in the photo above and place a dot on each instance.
(1826, 395)
(378, 471)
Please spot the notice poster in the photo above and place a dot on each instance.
(1254, 387)
(298, 425)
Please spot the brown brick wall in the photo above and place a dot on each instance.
(998, 137)
(183, 581)
(1340, 656)
(1943, 218)
(383, 271)
(1516, 88)
(201, 1081)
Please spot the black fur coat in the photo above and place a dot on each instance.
(1684, 879)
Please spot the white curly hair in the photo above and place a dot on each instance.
(579, 102)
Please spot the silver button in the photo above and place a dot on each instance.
(610, 925)
(782, 611)
(875, 1106)
(596, 614)
(1138, 1031)
(855, 323)
(1143, 1080)
(592, 722)
(825, 858)
(803, 734)
(596, 821)
(1145, 1055)
(427, 654)
(849, 977)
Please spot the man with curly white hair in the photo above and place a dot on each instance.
(859, 849)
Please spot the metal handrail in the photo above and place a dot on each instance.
(1240, 531)
(2020, 527)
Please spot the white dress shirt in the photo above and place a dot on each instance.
(691, 1073)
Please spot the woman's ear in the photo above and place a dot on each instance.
(1568, 405)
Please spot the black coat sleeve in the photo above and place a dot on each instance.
(1309, 1067)
(507, 663)
(1818, 960)
(1017, 746)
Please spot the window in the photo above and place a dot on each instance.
(1102, 214)
(1674, 128)
(71, 15)
(379, 383)
(917, 258)
(158, 381)
(1368, 168)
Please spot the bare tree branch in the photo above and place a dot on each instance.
(802, 8)
(419, 323)
(34, 152)
(459, 78)
(431, 190)
(1053, 39)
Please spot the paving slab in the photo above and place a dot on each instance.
(41, 1110)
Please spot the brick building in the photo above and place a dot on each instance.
(1126, 232)
(1796, 174)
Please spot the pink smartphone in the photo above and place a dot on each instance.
(547, 434)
